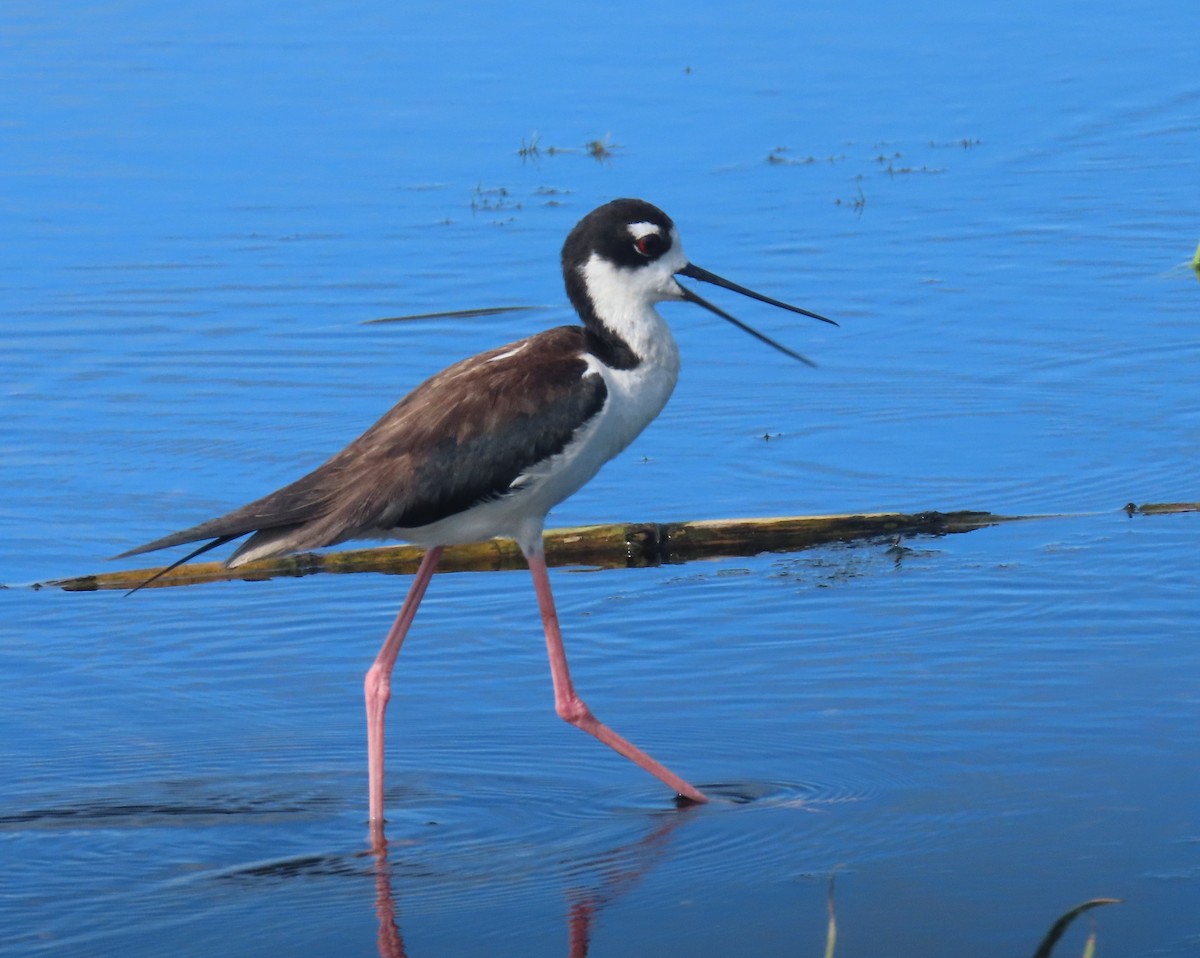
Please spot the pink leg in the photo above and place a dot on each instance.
(567, 702)
(377, 686)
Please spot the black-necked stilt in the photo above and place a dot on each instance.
(487, 447)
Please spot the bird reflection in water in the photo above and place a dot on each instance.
(590, 883)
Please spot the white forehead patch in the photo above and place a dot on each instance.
(638, 230)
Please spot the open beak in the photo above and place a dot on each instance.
(695, 272)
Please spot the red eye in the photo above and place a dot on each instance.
(650, 245)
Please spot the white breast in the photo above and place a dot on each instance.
(635, 397)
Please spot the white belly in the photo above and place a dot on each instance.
(635, 397)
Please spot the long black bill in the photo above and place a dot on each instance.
(695, 272)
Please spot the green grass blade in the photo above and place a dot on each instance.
(1060, 926)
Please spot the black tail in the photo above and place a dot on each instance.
(219, 541)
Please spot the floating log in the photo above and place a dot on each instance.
(618, 545)
(1161, 508)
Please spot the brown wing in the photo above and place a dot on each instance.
(460, 437)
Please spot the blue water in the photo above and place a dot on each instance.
(199, 207)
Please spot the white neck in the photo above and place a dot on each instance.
(623, 299)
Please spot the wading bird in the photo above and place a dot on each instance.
(488, 446)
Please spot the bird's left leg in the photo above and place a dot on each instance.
(567, 703)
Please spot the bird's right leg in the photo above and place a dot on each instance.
(377, 686)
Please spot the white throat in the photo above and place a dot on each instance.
(624, 298)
